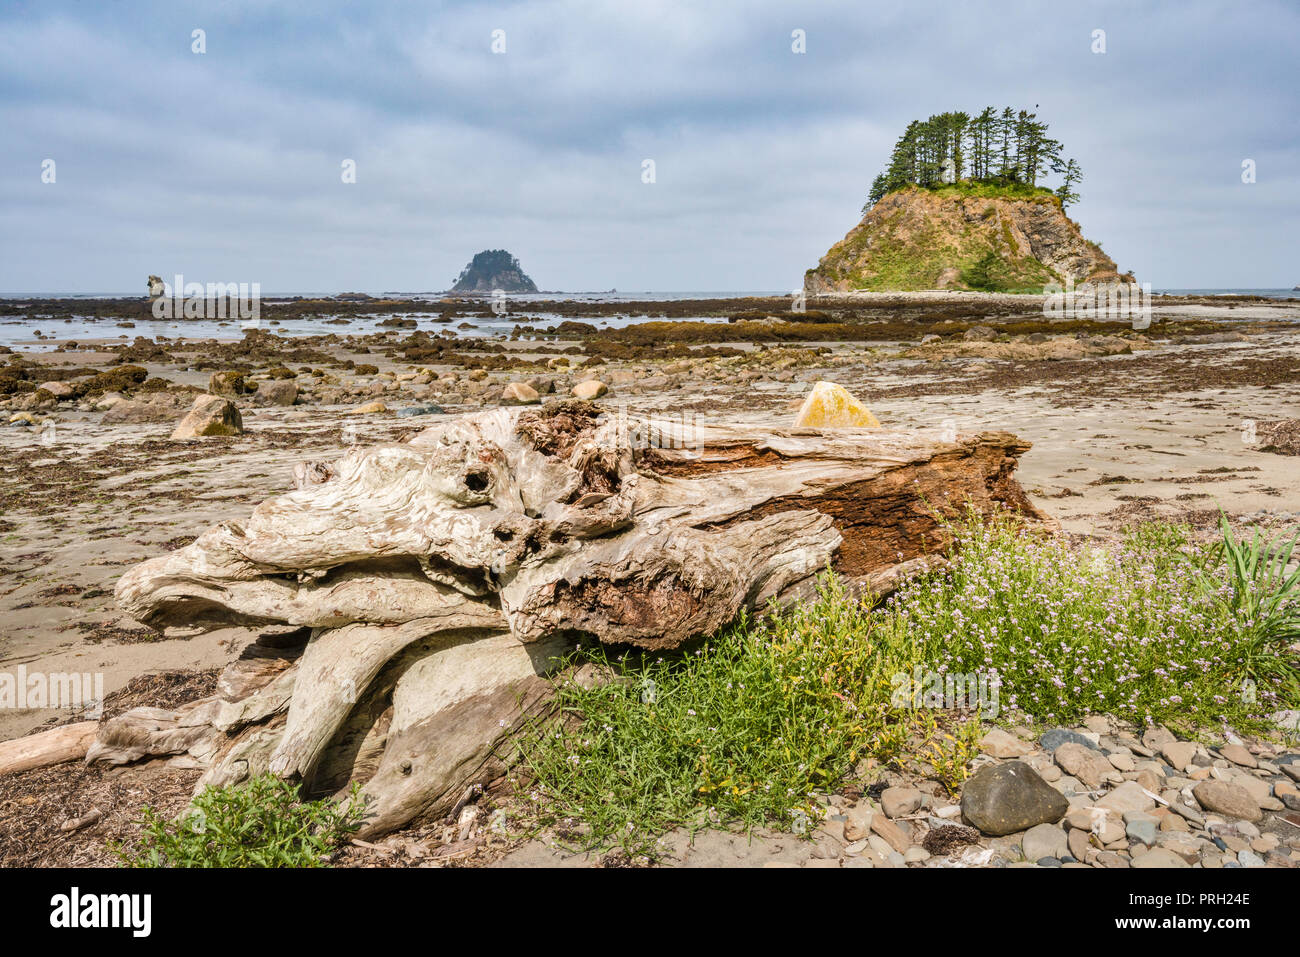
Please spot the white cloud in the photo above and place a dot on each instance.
(226, 165)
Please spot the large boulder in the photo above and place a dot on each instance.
(230, 384)
(590, 389)
(1005, 798)
(210, 415)
(146, 410)
(520, 393)
(277, 392)
(60, 390)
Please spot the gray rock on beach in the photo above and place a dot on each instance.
(1006, 798)
(1129, 796)
(1238, 755)
(149, 409)
(277, 392)
(1179, 754)
(1159, 857)
(1053, 739)
(426, 409)
(1044, 840)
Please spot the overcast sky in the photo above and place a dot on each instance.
(226, 166)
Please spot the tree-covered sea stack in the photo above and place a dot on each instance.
(1010, 148)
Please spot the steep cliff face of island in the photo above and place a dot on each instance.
(491, 270)
(950, 238)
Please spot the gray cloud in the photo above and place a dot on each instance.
(225, 166)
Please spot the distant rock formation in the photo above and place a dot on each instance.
(156, 287)
(491, 270)
(917, 238)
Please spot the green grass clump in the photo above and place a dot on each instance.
(746, 728)
(1262, 594)
(261, 823)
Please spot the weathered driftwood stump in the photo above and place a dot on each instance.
(418, 594)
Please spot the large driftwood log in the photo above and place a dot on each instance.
(437, 582)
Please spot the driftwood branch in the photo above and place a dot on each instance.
(67, 742)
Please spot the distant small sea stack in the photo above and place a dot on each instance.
(156, 287)
(492, 270)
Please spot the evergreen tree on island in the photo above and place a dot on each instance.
(1010, 149)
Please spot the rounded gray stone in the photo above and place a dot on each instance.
(1006, 798)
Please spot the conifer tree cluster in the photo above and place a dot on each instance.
(1007, 148)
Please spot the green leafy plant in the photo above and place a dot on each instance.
(1260, 592)
(952, 752)
(745, 729)
(261, 823)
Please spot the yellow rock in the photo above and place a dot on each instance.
(829, 406)
(368, 408)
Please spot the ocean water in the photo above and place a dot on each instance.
(1266, 293)
(43, 335)
(40, 335)
(612, 295)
